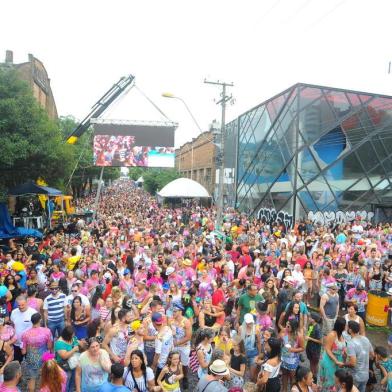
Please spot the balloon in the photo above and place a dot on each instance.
(3, 290)
(18, 266)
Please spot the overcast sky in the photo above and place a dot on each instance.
(262, 46)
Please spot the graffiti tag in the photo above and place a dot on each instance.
(270, 216)
(338, 217)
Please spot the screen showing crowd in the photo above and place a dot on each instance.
(121, 150)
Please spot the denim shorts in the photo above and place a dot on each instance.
(251, 356)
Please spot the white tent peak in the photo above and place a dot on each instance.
(183, 187)
(140, 179)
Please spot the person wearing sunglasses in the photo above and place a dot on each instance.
(75, 292)
(54, 309)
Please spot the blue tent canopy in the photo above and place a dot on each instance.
(8, 230)
(31, 188)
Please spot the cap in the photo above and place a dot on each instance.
(219, 368)
(126, 271)
(107, 275)
(187, 262)
(157, 318)
(178, 306)
(332, 286)
(169, 270)
(248, 318)
(257, 251)
(166, 286)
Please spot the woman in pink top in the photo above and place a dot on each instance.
(56, 274)
(32, 300)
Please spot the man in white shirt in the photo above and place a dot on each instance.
(21, 317)
(357, 230)
(75, 292)
(163, 343)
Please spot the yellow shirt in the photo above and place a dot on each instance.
(201, 267)
(225, 347)
(71, 262)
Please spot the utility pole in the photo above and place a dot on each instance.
(224, 99)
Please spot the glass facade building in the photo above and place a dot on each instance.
(312, 151)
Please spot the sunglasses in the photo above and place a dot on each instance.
(55, 289)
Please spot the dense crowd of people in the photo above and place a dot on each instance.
(151, 298)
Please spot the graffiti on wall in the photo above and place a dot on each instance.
(270, 215)
(338, 217)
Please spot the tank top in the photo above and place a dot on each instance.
(119, 343)
(331, 306)
(179, 332)
(33, 303)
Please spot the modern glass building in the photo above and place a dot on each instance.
(312, 151)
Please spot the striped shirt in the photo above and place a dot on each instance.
(55, 307)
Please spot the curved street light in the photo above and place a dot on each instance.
(170, 95)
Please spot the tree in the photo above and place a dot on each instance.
(31, 144)
(134, 173)
(83, 169)
(156, 179)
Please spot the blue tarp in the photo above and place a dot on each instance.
(31, 188)
(8, 230)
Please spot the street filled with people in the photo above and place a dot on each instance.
(148, 297)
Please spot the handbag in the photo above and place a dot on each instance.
(73, 361)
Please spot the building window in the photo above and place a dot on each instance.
(208, 175)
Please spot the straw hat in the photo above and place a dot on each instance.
(219, 368)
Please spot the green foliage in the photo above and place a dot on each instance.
(135, 172)
(156, 179)
(31, 144)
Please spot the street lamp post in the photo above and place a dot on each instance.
(169, 95)
(224, 99)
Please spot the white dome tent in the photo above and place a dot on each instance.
(183, 188)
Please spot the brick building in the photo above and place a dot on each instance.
(34, 73)
(196, 160)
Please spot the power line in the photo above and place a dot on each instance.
(325, 15)
(152, 103)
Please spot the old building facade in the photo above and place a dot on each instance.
(196, 160)
(35, 74)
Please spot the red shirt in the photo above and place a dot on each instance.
(234, 255)
(301, 260)
(245, 260)
(218, 298)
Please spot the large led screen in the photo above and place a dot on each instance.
(133, 145)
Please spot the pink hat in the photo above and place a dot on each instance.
(47, 356)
